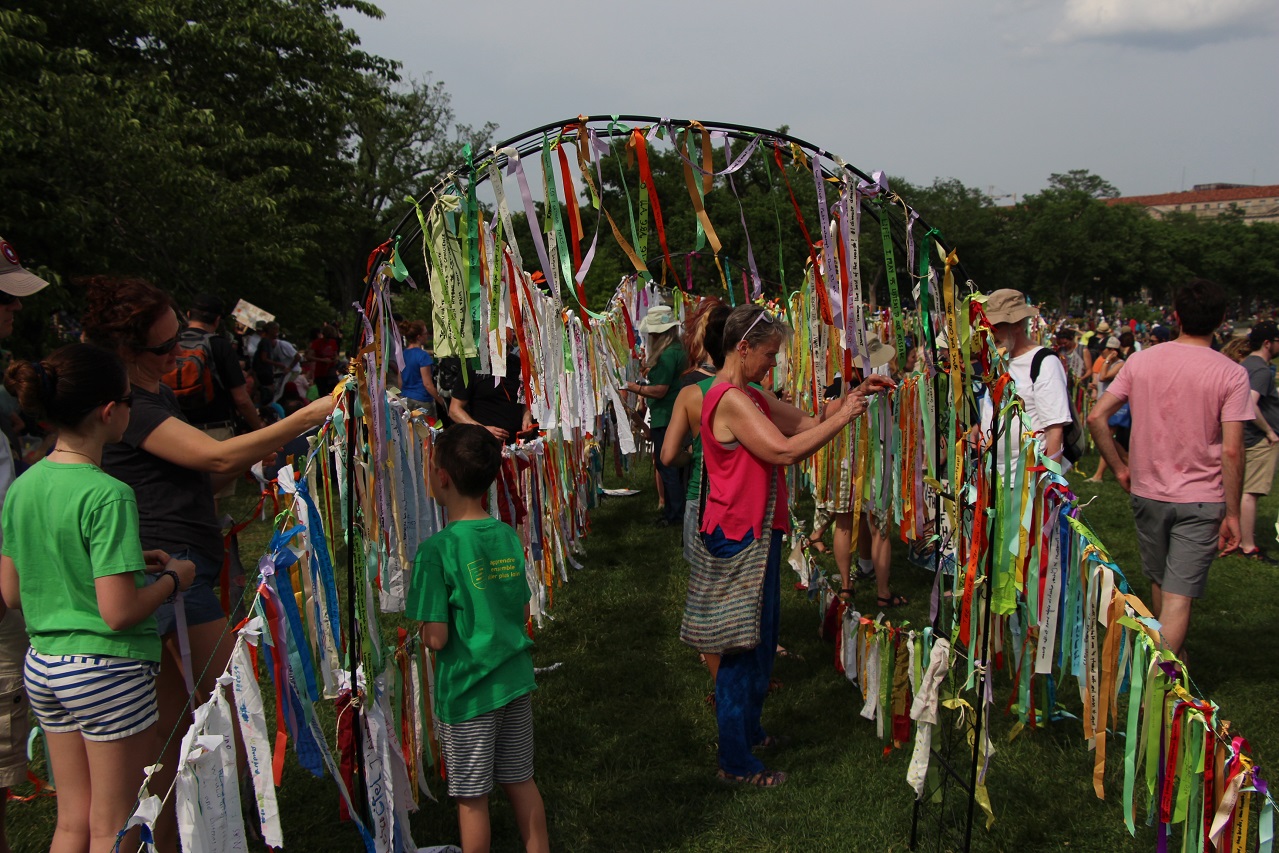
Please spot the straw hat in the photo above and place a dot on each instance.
(1103, 327)
(1008, 306)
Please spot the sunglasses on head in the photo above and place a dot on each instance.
(763, 315)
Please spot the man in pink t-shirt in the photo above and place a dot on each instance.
(1185, 455)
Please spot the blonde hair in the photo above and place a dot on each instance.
(1237, 348)
(658, 343)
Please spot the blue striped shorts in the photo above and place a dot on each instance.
(493, 747)
(103, 698)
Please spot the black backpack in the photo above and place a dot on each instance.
(1074, 439)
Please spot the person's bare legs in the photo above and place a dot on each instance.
(881, 557)
(1248, 522)
(473, 823)
(1174, 620)
(115, 773)
(1101, 469)
(70, 765)
(863, 538)
(843, 548)
(530, 815)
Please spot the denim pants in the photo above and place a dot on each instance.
(742, 682)
(673, 485)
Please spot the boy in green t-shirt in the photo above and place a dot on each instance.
(470, 593)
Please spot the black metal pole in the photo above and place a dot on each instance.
(360, 792)
(983, 661)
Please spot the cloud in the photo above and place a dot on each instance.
(1165, 24)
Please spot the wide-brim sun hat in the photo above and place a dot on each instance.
(15, 280)
(1103, 327)
(658, 319)
(1008, 306)
(878, 353)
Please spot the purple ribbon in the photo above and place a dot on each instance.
(513, 165)
(828, 257)
(750, 252)
(878, 185)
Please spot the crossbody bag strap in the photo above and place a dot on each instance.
(701, 497)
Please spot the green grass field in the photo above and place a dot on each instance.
(626, 743)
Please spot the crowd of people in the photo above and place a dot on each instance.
(1192, 436)
(113, 551)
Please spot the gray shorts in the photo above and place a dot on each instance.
(1178, 542)
(493, 747)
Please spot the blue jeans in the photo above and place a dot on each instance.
(742, 682)
(673, 485)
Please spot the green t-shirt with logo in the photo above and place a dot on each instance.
(670, 364)
(64, 527)
(470, 575)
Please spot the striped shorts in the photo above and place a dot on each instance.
(493, 747)
(103, 698)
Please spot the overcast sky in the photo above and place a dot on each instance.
(1153, 95)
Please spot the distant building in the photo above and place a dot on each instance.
(1259, 204)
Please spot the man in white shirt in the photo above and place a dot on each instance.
(1046, 398)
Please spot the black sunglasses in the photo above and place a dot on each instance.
(126, 400)
(161, 349)
(7, 298)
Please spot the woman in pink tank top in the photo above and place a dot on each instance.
(748, 437)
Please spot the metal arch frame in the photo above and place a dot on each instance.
(528, 142)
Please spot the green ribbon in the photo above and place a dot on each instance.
(630, 209)
(398, 270)
(890, 271)
(472, 254)
(556, 217)
(1135, 695)
(699, 242)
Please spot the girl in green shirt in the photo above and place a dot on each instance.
(72, 561)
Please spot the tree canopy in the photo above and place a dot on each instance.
(240, 147)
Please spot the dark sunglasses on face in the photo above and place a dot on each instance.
(161, 349)
(7, 298)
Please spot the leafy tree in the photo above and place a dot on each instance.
(1083, 181)
(1066, 244)
(243, 147)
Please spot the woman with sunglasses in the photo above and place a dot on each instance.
(748, 439)
(175, 469)
(73, 563)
